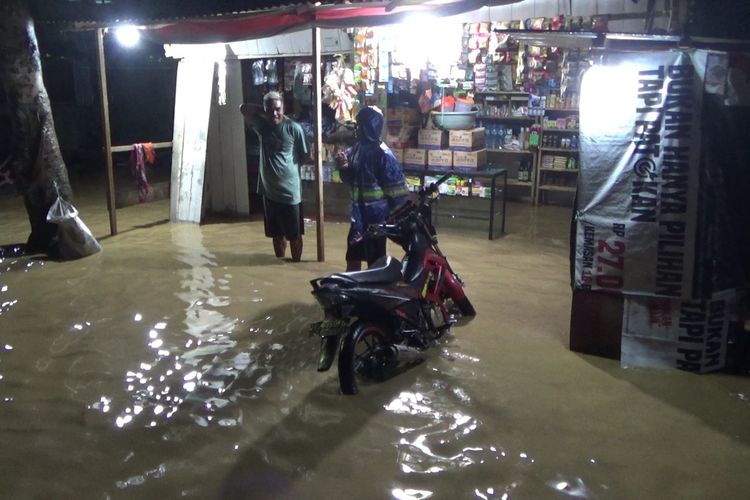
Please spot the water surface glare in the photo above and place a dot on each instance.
(177, 363)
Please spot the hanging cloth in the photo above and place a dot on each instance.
(141, 155)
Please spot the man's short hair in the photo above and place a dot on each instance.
(272, 96)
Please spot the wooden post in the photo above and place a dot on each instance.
(106, 133)
(319, 200)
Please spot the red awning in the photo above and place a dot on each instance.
(290, 19)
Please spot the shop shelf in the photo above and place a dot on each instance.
(559, 150)
(502, 92)
(516, 182)
(573, 130)
(507, 118)
(511, 151)
(572, 110)
(552, 187)
(547, 169)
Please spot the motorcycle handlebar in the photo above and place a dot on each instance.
(444, 178)
(408, 207)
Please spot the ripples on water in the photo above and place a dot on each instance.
(196, 361)
(203, 368)
(174, 364)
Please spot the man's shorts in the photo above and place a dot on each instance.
(280, 219)
(368, 250)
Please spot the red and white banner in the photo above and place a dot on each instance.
(668, 333)
(640, 156)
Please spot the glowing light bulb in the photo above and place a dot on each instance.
(127, 36)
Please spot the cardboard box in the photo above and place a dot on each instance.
(440, 158)
(399, 154)
(470, 159)
(466, 140)
(432, 139)
(414, 157)
(401, 137)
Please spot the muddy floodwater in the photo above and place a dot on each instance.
(176, 363)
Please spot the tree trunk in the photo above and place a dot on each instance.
(36, 162)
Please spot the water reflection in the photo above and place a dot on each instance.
(156, 332)
(188, 369)
(570, 487)
(439, 426)
(138, 480)
(410, 494)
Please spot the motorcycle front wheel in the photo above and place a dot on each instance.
(365, 356)
(465, 306)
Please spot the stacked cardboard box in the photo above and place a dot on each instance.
(402, 125)
(462, 150)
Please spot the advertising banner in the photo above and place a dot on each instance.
(640, 156)
(669, 333)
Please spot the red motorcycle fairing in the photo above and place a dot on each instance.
(445, 282)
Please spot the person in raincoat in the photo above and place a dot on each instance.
(377, 187)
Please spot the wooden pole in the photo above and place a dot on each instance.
(106, 133)
(318, 144)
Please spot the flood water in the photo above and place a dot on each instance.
(176, 363)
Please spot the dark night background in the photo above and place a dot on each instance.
(142, 81)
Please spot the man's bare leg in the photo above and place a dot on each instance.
(296, 247)
(279, 246)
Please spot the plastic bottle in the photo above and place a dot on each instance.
(534, 136)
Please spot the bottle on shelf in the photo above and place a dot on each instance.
(534, 136)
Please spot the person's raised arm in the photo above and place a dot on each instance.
(252, 113)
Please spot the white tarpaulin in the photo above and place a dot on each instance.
(669, 333)
(640, 156)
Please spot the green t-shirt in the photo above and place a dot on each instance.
(281, 148)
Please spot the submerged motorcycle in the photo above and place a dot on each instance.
(382, 319)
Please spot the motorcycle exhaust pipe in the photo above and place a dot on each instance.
(406, 354)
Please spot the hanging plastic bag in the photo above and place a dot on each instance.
(258, 77)
(73, 237)
(272, 76)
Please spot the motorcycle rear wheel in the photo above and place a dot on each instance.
(365, 356)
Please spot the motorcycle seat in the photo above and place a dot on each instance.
(385, 270)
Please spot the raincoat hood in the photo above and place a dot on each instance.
(369, 125)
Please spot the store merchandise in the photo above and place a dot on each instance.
(339, 90)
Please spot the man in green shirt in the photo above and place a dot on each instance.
(283, 148)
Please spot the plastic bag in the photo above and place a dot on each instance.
(73, 237)
(259, 78)
(272, 77)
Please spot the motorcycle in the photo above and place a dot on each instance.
(383, 319)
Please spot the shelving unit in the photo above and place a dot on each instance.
(488, 208)
(499, 111)
(560, 143)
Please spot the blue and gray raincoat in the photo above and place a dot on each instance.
(375, 176)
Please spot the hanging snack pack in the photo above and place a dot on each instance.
(73, 236)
